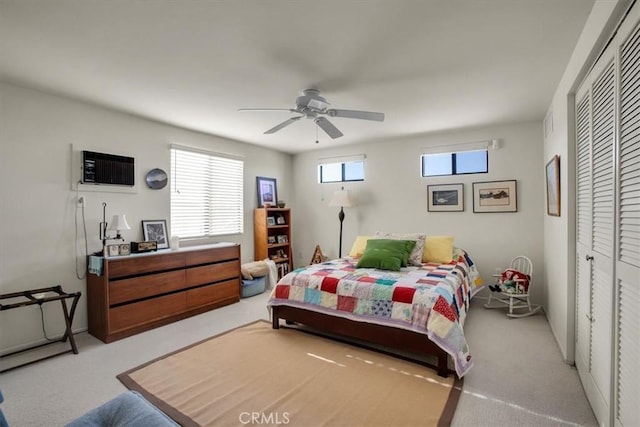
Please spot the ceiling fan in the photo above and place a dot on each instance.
(313, 106)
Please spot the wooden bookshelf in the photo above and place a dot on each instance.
(272, 237)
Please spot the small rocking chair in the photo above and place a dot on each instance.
(516, 298)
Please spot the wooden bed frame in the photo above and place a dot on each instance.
(393, 338)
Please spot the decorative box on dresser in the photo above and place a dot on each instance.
(272, 237)
(138, 292)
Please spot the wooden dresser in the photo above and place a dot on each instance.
(142, 291)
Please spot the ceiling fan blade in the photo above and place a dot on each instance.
(328, 127)
(354, 114)
(245, 110)
(283, 124)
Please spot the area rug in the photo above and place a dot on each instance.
(256, 375)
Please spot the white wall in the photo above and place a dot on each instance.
(393, 197)
(37, 205)
(559, 232)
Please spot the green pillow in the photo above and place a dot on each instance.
(386, 254)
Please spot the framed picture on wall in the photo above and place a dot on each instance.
(495, 196)
(445, 198)
(267, 192)
(156, 230)
(553, 186)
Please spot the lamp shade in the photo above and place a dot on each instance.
(119, 222)
(342, 198)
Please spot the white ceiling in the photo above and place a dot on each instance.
(429, 65)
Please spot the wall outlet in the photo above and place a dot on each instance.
(80, 201)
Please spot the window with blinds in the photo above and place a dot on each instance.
(206, 193)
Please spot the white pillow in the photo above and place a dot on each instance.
(415, 257)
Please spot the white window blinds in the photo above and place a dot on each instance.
(206, 193)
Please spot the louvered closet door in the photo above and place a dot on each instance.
(627, 375)
(595, 253)
(583, 232)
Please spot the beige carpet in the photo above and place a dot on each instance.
(255, 375)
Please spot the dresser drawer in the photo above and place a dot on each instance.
(211, 294)
(213, 255)
(212, 273)
(145, 286)
(145, 264)
(131, 315)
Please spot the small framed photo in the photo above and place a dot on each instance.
(267, 192)
(282, 238)
(495, 196)
(271, 240)
(280, 220)
(271, 221)
(553, 186)
(124, 248)
(113, 250)
(445, 198)
(156, 230)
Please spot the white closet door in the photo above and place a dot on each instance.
(603, 130)
(596, 203)
(583, 232)
(627, 390)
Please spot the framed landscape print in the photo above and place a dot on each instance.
(495, 196)
(553, 186)
(267, 192)
(445, 198)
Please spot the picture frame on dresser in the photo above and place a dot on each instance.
(112, 250)
(156, 230)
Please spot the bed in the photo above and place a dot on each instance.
(420, 309)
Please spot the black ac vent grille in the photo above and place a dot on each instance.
(101, 168)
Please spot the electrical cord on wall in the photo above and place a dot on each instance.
(42, 319)
(80, 200)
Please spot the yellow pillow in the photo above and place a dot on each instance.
(359, 246)
(438, 249)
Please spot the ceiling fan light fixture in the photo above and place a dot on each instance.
(311, 105)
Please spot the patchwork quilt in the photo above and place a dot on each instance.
(431, 299)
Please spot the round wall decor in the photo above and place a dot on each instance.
(156, 179)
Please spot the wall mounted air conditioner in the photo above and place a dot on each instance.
(102, 168)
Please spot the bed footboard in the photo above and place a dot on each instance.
(396, 339)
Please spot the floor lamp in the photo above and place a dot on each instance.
(343, 199)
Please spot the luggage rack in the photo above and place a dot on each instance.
(41, 296)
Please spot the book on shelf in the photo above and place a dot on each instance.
(283, 268)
